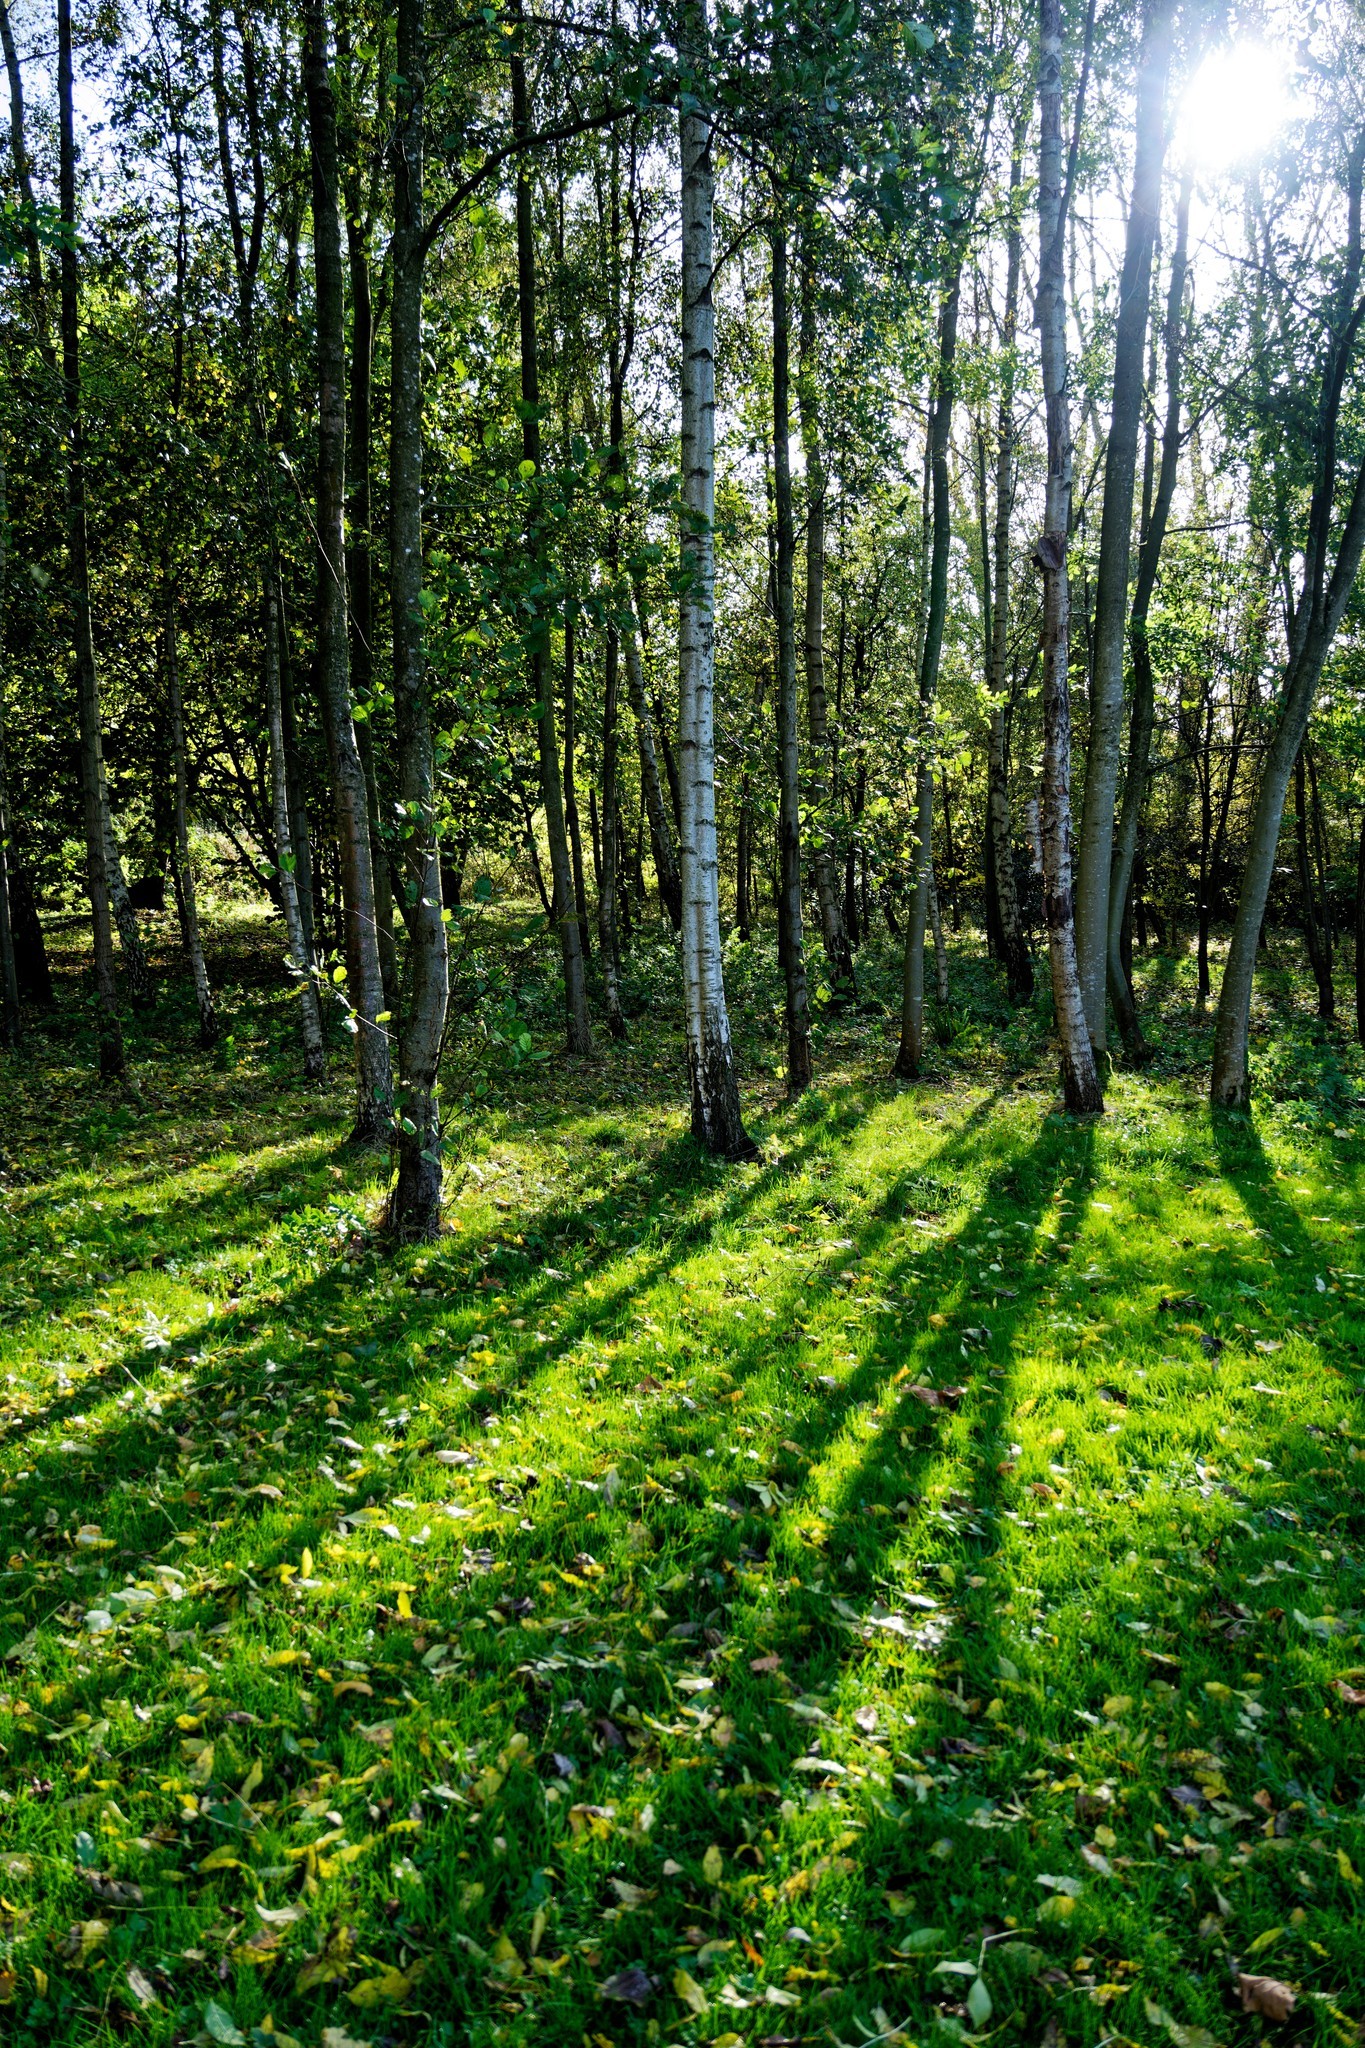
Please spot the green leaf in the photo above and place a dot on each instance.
(220, 2026)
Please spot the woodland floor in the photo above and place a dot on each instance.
(909, 1587)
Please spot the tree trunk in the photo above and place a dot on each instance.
(1324, 879)
(30, 948)
(1360, 934)
(360, 571)
(608, 938)
(1094, 865)
(578, 1029)
(300, 837)
(185, 895)
(936, 927)
(714, 1084)
(658, 811)
(571, 819)
(374, 1079)
(837, 950)
(1314, 932)
(414, 1209)
(286, 862)
(10, 1021)
(791, 945)
(1143, 717)
(910, 1054)
(109, 1036)
(1080, 1081)
(1014, 952)
(1322, 602)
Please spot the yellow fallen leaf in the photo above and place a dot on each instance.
(690, 1992)
(404, 1607)
(306, 1564)
(1345, 1866)
(712, 1864)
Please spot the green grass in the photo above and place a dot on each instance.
(895, 1590)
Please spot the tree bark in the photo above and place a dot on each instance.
(1323, 596)
(1143, 715)
(1080, 1080)
(374, 1079)
(910, 1054)
(10, 1020)
(607, 933)
(360, 567)
(837, 949)
(1314, 930)
(1116, 524)
(414, 1210)
(1360, 934)
(1014, 952)
(108, 1033)
(578, 1029)
(714, 1084)
(185, 894)
(791, 944)
(286, 862)
(658, 810)
(572, 824)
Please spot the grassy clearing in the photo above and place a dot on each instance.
(912, 1584)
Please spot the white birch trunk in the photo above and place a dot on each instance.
(716, 1118)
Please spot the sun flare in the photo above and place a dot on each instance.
(1236, 103)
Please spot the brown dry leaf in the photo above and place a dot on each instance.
(763, 1664)
(1351, 1695)
(1266, 1995)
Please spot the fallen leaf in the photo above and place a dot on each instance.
(690, 1992)
(629, 1987)
(220, 2026)
(1266, 1996)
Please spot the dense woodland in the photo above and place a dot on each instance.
(625, 632)
(763, 474)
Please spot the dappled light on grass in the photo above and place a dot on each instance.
(909, 1582)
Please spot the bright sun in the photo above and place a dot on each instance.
(1235, 104)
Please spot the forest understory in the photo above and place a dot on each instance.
(909, 1586)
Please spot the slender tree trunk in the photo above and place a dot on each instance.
(571, 819)
(300, 836)
(608, 937)
(910, 1054)
(185, 894)
(1203, 983)
(415, 1203)
(1080, 1081)
(1324, 879)
(578, 1029)
(360, 574)
(1360, 934)
(1014, 952)
(1143, 718)
(716, 1117)
(837, 950)
(1324, 595)
(374, 1079)
(300, 947)
(791, 944)
(936, 927)
(109, 1036)
(1314, 932)
(744, 833)
(10, 1021)
(125, 917)
(659, 811)
(1120, 472)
